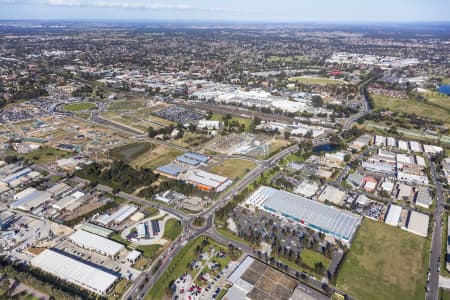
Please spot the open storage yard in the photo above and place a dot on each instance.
(385, 262)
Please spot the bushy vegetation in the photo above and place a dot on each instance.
(174, 185)
(120, 176)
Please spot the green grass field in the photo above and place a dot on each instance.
(446, 80)
(317, 80)
(45, 155)
(385, 262)
(233, 168)
(156, 157)
(74, 107)
(129, 152)
(291, 58)
(241, 120)
(437, 107)
(310, 257)
(125, 105)
(172, 229)
(444, 294)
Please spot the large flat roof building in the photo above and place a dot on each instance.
(118, 216)
(31, 200)
(417, 223)
(205, 180)
(96, 243)
(75, 271)
(312, 214)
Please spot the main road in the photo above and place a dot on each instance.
(142, 285)
(364, 104)
(436, 243)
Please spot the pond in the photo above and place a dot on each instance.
(330, 147)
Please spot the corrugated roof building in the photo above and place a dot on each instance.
(75, 271)
(312, 214)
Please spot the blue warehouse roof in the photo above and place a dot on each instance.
(200, 157)
(170, 169)
(186, 160)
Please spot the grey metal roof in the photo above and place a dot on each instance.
(316, 215)
(187, 160)
(197, 156)
(170, 169)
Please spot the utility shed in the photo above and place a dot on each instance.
(75, 271)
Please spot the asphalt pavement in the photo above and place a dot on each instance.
(436, 244)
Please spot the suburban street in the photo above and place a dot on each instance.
(436, 243)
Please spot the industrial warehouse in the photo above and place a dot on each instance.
(96, 243)
(184, 168)
(75, 271)
(312, 214)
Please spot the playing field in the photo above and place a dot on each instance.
(156, 157)
(317, 80)
(74, 107)
(437, 107)
(233, 168)
(385, 262)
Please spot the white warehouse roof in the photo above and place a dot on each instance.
(393, 215)
(119, 215)
(95, 242)
(310, 213)
(74, 271)
(418, 223)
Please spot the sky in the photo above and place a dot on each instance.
(230, 10)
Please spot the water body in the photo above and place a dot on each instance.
(330, 147)
(444, 89)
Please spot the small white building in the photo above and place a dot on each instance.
(210, 124)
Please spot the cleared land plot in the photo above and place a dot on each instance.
(172, 229)
(385, 262)
(125, 105)
(74, 107)
(45, 155)
(268, 282)
(432, 109)
(156, 157)
(233, 168)
(316, 80)
(277, 144)
(129, 152)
